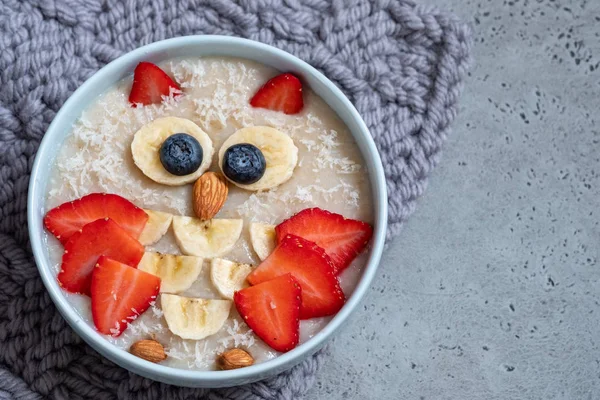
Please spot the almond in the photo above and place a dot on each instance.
(209, 195)
(234, 359)
(149, 350)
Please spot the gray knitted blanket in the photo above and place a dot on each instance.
(400, 63)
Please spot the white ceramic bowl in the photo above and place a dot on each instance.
(196, 46)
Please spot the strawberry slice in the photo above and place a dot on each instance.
(341, 238)
(282, 93)
(271, 310)
(68, 218)
(312, 268)
(101, 237)
(150, 83)
(119, 294)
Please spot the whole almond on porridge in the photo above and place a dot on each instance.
(234, 359)
(149, 350)
(209, 195)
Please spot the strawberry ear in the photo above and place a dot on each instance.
(282, 93)
(150, 83)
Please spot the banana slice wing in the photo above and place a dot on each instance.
(148, 140)
(263, 239)
(278, 148)
(157, 225)
(208, 239)
(194, 319)
(228, 276)
(177, 273)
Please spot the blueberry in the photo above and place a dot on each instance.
(181, 154)
(244, 163)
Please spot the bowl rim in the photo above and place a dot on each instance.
(36, 200)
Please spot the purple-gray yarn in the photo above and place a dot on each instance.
(400, 63)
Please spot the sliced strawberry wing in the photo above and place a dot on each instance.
(281, 93)
(98, 238)
(341, 238)
(119, 294)
(150, 83)
(271, 309)
(68, 218)
(312, 268)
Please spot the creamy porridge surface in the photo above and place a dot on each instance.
(96, 157)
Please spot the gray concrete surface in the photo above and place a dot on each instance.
(492, 289)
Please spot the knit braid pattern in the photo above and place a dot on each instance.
(402, 64)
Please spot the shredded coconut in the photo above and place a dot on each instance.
(239, 335)
(156, 311)
(259, 204)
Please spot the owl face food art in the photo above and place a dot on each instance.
(206, 208)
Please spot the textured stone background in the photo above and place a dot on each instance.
(492, 289)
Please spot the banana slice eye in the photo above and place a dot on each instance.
(172, 151)
(240, 158)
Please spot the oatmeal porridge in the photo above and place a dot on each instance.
(268, 166)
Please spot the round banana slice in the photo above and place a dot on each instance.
(209, 239)
(278, 149)
(228, 276)
(156, 227)
(148, 140)
(194, 319)
(176, 273)
(263, 239)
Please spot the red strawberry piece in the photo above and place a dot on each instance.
(312, 268)
(98, 238)
(282, 93)
(119, 294)
(271, 309)
(341, 238)
(68, 218)
(150, 83)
